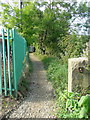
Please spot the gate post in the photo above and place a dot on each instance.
(0, 76)
(14, 63)
(78, 74)
(4, 61)
(0, 66)
(8, 48)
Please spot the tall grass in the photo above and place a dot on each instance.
(57, 73)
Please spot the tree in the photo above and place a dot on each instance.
(11, 17)
(48, 27)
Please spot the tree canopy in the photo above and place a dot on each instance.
(48, 28)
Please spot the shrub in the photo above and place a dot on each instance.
(72, 45)
(57, 74)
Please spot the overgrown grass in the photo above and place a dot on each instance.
(57, 74)
(67, 103)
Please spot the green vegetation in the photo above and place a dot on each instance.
(70, 105)
(50, 31)
(74, 106)
(56, 72)
(50, 28)
(57, 75)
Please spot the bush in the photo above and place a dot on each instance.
(73, 105)
(68, 105)
(72, 45)
(57, 74)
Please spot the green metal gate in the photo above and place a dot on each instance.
(12, 55)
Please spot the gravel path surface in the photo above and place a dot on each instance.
(40, 102)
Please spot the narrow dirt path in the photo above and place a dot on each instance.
(40, 102)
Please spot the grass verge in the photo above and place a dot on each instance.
(57, 74)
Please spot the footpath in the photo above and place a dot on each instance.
(40, 102)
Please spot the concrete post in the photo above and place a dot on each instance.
(89, 33)
(77, 74)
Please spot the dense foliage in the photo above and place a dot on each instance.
(49, 28)
(50, 31)
(70, 105)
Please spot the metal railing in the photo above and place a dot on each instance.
(12, 55)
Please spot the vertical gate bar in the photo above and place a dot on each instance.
(14, 64)
(0, 66)
(8, 48)
(0, 71)
(24, 48)
(11, 32)
(4, 61)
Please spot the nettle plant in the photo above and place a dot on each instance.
(78, 107)
(72, 105)
(84, 103)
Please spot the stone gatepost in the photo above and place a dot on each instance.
(78, 74)
(89, 34)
